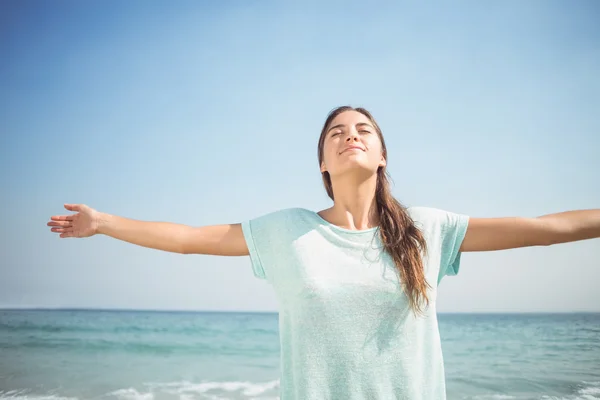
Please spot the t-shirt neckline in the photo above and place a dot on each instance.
(339, 228)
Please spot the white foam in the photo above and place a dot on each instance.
(590, 392)
(42, 397)
(132, 394)
(187, 389)
(23, 395)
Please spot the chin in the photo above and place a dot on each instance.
(355, 169)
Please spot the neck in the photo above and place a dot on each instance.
(354, 204)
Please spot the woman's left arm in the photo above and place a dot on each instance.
(488, 234)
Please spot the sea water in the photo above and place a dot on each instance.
(154, 355)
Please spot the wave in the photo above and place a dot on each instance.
(190, 390)
(245, 390)
(181, 390)
(587, 391)
(26, 394)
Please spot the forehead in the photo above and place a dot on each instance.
(350, 118)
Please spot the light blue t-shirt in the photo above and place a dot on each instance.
(346, 330)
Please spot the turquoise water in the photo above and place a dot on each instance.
(91, 354)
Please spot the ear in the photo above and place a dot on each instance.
(323, 167)
(383, 162)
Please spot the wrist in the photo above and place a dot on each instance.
(102, 222)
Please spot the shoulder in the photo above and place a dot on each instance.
(279, 227)
(425, 214)
(290, 212)
(434, 218)
(284, 216)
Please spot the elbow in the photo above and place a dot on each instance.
(554, 232)
(548, 242)
(557, 237)
(184, 250)
(552, 238)
(182, 247)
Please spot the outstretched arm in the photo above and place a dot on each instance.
(223, 240)
(488, 234)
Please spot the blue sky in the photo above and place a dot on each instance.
(209, 112)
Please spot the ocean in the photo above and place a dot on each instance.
(155, 355)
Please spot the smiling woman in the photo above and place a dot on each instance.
(357, 282)
(347, 128)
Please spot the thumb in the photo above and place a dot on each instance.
(73, 207)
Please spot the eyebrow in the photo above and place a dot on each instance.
(357, 125)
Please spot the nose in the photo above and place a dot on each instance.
(352, 135)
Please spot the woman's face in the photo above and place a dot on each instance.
(351, 143)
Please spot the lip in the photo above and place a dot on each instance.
(351, 148)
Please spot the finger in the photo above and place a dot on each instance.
(62, 230)
(62, 218)
(73, 207)
(60, 223)
(66, 235)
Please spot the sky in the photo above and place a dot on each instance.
(209, 112)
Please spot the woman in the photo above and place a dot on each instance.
(356, 283)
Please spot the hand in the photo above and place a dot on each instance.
(80, 225)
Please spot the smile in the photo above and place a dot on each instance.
(351, 148)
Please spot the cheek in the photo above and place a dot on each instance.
(374, 145)
(327, 154)
(329, 150)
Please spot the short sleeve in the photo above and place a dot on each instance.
(265, 236)
(453, 230)
(257, 266)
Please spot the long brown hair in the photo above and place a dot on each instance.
(401, 239)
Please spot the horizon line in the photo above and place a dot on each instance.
(260, 311)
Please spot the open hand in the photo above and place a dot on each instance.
(80, 225)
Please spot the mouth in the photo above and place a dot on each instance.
(351, 148)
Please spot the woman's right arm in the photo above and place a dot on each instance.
(223, 240)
